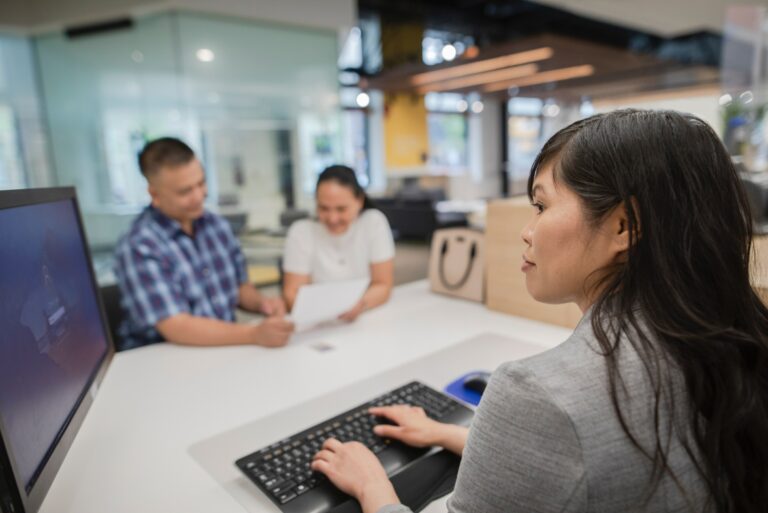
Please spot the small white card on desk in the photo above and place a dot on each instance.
(317, 303)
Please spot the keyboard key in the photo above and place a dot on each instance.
(283, 487)
(287, 496)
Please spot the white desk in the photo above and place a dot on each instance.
(131, 454)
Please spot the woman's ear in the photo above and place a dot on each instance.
(619, 222)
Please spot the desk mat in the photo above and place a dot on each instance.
(217, 454)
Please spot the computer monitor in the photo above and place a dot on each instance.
(54, 342)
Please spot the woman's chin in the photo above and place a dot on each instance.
(542, 296)
(337, 230)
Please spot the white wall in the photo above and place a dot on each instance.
(702, 103)
(43, 15)
(662, 17)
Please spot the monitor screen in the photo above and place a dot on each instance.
(53, 341)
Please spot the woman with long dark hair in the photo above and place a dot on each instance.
(350, 239)
(659, 399)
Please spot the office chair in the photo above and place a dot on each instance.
(110, 297)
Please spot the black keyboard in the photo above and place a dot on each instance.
(282, 470)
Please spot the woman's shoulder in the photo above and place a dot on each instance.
(568, 375)
(373, 216)
(302, 228)
(578, 352)
(577, 374)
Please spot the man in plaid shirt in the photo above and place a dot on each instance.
(180, 268)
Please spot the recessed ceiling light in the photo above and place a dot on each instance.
(205, 55)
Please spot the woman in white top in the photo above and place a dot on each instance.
(349, 240)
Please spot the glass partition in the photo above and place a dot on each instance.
(23, 153)
(237, 91)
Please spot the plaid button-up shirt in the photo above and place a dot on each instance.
(162, 272)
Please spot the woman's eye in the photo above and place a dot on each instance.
(539, 207)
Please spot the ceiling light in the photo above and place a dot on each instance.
(462, 105)
(205, 55)
(348, 78)
(477, 106)
(472, 52)
(481, 78)
(448, 52)
(543, 77)
(746, 97)
(463, 70)
(551, 110)
(431, 56)
(725, 99)
(363, 100)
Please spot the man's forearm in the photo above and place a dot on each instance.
(249, 298)
(202, 331)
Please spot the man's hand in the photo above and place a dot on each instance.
(273, 332)
(270, 306)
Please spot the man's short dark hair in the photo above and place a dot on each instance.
(164, 152)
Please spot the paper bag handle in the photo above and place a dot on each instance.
(467, 271)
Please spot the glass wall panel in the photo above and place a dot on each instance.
(23, 153)
(236, 91)
(447, 142)
(256, 91)
(105, 95)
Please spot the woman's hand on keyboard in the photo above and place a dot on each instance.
(414, 428)
(355, 470)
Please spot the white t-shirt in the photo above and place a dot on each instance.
(311, 249)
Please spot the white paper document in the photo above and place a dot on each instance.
(322, 302)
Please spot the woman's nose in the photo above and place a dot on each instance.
(527, 233)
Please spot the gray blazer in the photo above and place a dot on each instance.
(546, 438)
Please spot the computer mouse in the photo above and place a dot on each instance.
(477, 381)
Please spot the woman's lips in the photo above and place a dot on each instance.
(527, 265)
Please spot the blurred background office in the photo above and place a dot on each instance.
(437, 105)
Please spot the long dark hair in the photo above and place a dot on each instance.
(683, 296)
(346, 177)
